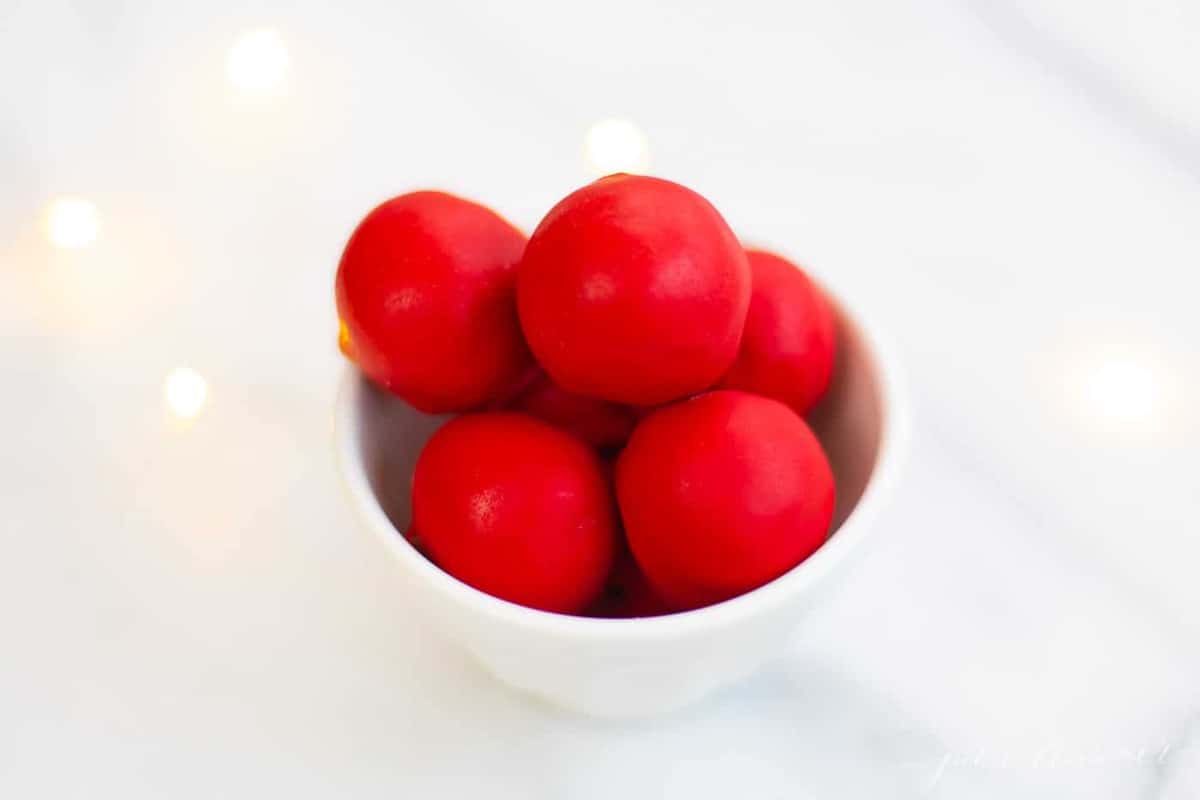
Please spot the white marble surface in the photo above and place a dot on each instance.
(187, 610)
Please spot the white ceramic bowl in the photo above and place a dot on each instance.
(632, 667)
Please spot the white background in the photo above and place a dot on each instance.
(1012, 187)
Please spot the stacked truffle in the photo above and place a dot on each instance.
(630, 385)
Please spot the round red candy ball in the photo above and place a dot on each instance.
(633, 289)
(426, 294)
(517, 509)
(788, 345)
(595, 421)
(721, 494)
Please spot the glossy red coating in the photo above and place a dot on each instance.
(426, 296)
(517, 509)
(722, 493)
(633, 289)
(789, 342)
(598, 422)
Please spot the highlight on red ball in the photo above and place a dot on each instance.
(629, 388)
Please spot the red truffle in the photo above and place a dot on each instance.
(426, 294)
(721, 494)
(788, 345)
(517, 509)
(598, 422)
(633, 289)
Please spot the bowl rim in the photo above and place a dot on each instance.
(895, 431)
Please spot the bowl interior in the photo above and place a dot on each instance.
(850, 423)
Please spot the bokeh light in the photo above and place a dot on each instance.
(1121, 393)
(1123, 390)
(258, 61)
(72, 223)
(616, 145)
(185, 391)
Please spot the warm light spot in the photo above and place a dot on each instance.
(1122, 393)
(258, 61)
(344, 342)
(616, 145)
(72, 223)
(185, 391)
